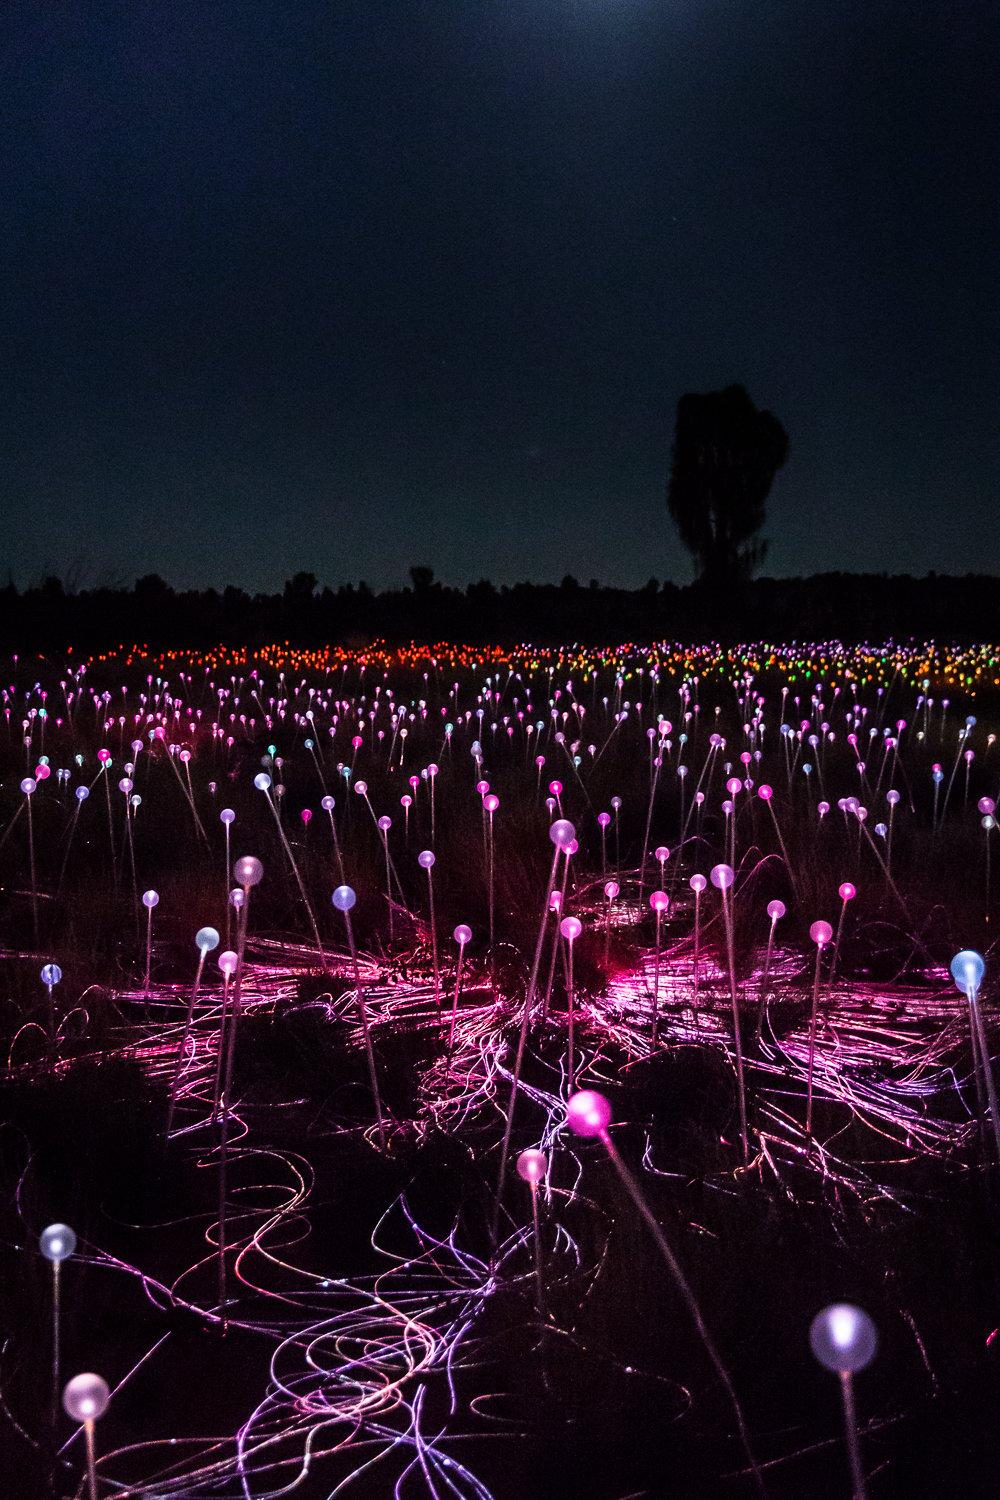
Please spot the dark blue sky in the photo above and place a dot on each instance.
(350, 284)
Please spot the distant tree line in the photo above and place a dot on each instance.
(849, 606)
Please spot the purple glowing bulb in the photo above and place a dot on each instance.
(562, 833)
(532, 1167)
(462, 934)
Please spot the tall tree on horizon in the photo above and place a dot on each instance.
(725, 456)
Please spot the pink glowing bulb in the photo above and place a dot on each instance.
(384, 823)
(776, 910)
(662, 854)
(698, 883)
(734, 785)
(764, 792)
(491, 803)
(357, 742)
(823, 808)
(361, 787)
(660, 902)
(406, 800)
(588, 1113)
(425, 859)
(603, 819)
(555, 787)
(611, 890)
(987, 806)
(227, 816)
(248, 871)
(228, 962)
(847, 891)
(821, 933)
(532, 1166)
(722, 877)
(306, 815)
(482, 787)
(571, 927)
(462, 934)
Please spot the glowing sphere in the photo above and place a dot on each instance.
(562, 833)
(227, 963)
(987, 806)
(248, 871)
(344, 898)
(86, 1398)
(462, 934)
(361, 787)
(588, 1113)
(384, 823)
(532, 1166)
(776, 910)
(328, 803)
(967, 969)
(236, 897)
(722, 877)
(847, 891)
(51, 974)
(491, 803)
(662, 854)
(28, 786)
(150, 899)
(603, 819)
(843, 1338)
(764, 792)
(82, 793)
(698, 883)
(892, 797)
(555, 787)
(611, 890)
(262, 781)
(659, 901)
(425, 859)
(821, 933)
(57, 1243)
(227, 816)
(570, 927)
(207, 939)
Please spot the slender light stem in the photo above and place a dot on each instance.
(858, 1488)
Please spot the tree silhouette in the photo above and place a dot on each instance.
(726, 454)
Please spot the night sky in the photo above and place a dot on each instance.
(346, 285)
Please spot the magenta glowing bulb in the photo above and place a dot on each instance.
(425, 859)
(588, 1113)
(847, 891)
(611, 890)
(722, 877)
(384, 823)
(821, 933)
(532, 1166)
(776, 910)
(764, 792)
(570, 927)
(698, 883)
(661, 853)
(491, 802)
(659, 901)
(603, 819)
(462, 934)
(228, 962)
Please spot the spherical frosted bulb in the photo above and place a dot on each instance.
(821, 933)
(51, 974)
(227, 816)
(892, 797)
(361, 787)
(776, 910)
(698, 883)
(28, 785)
(722, 877)
(659, 901)
(82, 793)
(764, 792)
(227, 962)
(562, 833)
(248, 871)
(344, 897)
(236, 897)
(570, 927)
(150, 899)
(588, 1113)
(86, 1398)
(328, 804)
(987, 806)
(207, 939)
(57, 1243)
(384, 823)
(967, 969)
(262, 781)
(491, 803)
(847, 891)
(616, 803)
(611, 890)
(532, 1166)
(662, 853)
(425, 859)
(843, 1338)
